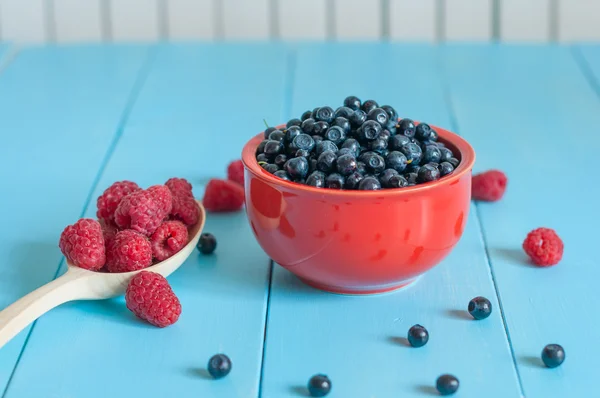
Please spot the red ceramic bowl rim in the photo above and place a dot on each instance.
(467, 160)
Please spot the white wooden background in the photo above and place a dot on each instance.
(35, 21)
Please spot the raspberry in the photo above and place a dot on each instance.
(109, 200)
(163, 196)
(129, 251)
(235, 172)
(83, 244)
(223, 195)
(168, 239)
(544, 247)
(489, 186)
(150, 298)
(108, 232)
(139, 211)
(180, 186)
(185, 209)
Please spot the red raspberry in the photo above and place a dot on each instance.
(150, 298)
(223, 195)
(544, 247)
(129, 251)
(108, 231)
(163, 196)
(109, 200)
(235, 172)
(139, 211)
(489, 186)
(180, 186)
(83, 244)
(185, 209)
(168, 239)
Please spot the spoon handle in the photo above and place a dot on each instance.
(19, 315)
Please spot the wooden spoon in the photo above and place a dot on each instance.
(81, 284)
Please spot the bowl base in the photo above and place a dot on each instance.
(360, 291)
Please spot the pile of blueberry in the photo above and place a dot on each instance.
(360, 145)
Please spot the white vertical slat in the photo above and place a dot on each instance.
(191, 19)
(23, 21)
(77, 21)
(413, 20)
(304, 19)
(357, 19)
(246, 19)
(525, 20)
(578, 20)
(134, 20)
(468, 20)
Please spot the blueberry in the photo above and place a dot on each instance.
(303, 141)
(324, 114)
(406, 127)
(439, 144)
(346, 164)
(334, 181)
(418, 336)
(384, 152)
(308, 126)
(293, 122)
(369, 130)
(379, 115)
(219, 366)
(326, 146)
(280, 160)
(352, 102)
(207, 243)
(273, 148)
(412, 152)
(369, 183)
(270, 167)
(445, 168)
(374, 163)
(319, 385)
(423, 132)
(398, 141)
(261, 147)
(396, 160)
(480, 308)
(454, 162)
(378, 145)
(445, 153)
(335, 134)
(353, 145)
(306, 115)
(297, 168)
(343, 111)
(317, 138)
(434, 135)
(385, 134)
(431, 154)
(320, 128)
(301, 152)
(391, 112)
(428, 173)
(357, 118)
(385, 177)
(447, 384)
(343, 123)
(262, 158)
(361, 167)
(283, 175)
(312, 165)
(316, 179)
(277, 135)
(412, 168)
(553, 355)
(353, 180)
(268, 132)
(411, 178)
(397, 181)
(369, 105)
(292, 133)
(434, 164)
(326, 161)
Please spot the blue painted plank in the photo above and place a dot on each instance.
(357, 340)
(199, 105)
(530, 112)
(59, 110)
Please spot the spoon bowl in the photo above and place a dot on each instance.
(81, 284)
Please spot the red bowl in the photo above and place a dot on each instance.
(358, 242)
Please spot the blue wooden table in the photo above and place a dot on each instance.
(74, 119)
